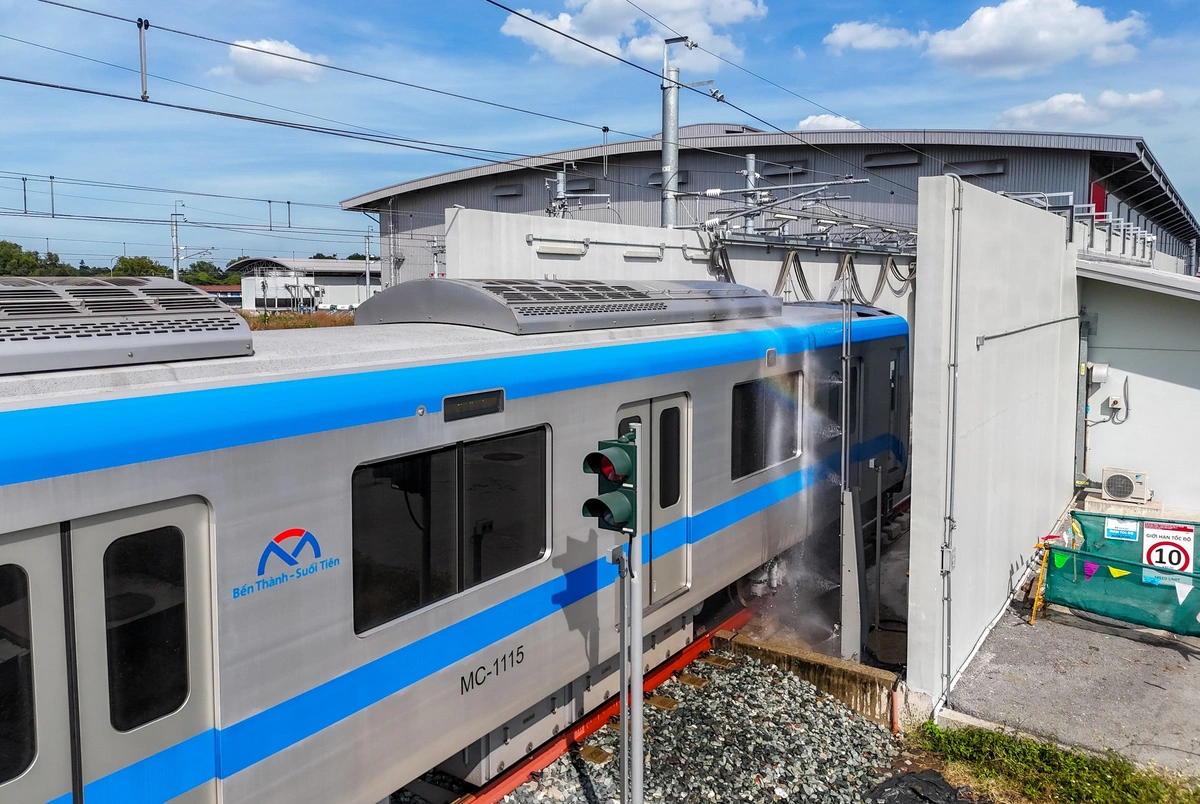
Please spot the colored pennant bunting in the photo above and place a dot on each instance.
(1117, 573)
(1089, 569)
(1060, 560)
(1183, 588)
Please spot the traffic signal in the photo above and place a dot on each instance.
(615, 464)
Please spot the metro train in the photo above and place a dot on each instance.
(312, 566)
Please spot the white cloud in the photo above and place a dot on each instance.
(1019, 37)
(1010, 40)
(869, 36)
(826, 122)
(798, 53)
(617, 27)
(1073, 110)
(252, 67)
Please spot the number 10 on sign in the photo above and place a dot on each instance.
(1168, 545)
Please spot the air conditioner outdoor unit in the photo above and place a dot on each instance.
(1124, 485)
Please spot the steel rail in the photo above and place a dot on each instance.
(495, 791)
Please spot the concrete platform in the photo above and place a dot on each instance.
(1080, 682)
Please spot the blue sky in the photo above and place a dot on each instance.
(1128, 68)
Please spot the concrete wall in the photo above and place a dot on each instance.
(482, 244)
(1005, 449)
(1153, 341)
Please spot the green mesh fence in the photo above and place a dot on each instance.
(1109, 575)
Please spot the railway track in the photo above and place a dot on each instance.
(719, 728)
(690, 670)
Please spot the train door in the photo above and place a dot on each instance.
(135, 683)
(666, 429)
(144, 636)
(35, 746)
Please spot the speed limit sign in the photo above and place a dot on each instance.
(1168, 545)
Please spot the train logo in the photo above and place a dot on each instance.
(275, 548)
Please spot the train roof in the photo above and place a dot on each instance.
(286, 354)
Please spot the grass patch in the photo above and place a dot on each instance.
(289, 319)
(1006, 765)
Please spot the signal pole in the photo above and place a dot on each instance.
(175, 238)
(622, 504)
(637, 760)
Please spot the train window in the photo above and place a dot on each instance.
(853, 400)
(765, 423)
(834, 404)
(668, 457)
(17, 733)
(503, 504)
(430, 525)
(146, 618)
(405, 521)
(625, 425)
(893, 381)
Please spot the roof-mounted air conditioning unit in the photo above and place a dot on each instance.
(1124, 485)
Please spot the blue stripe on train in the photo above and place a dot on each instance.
(222, 753)
(62, 440)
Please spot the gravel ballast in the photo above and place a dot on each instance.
(755, 733)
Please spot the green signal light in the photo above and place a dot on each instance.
(614, 509)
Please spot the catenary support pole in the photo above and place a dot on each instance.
(560, 194)
(751, 194)
(175, 246)
(670, 145)
(851, 575)
(367, 264)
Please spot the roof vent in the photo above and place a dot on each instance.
(54, 323)
(524, 306)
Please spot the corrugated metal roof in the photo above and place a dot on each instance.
(1130, 150)
(1187, 287)
(902, 137)
(302, 266)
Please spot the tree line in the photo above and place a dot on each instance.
(16, 261)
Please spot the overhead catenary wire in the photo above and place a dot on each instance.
(363, 74)
(795, 94)
(519, 161)
(648, 71)
(420, 145)
(410, 143)
(190, 86)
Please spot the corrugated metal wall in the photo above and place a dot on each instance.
(415, 223)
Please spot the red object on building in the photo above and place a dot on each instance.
(1099, 197)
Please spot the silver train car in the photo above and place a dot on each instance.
(312, 572)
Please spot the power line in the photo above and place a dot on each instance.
(522, 160)
(17, 176)
(400, 142)
(350, 71)
(795, 94)
(349, 238)
(636, 66)
(347, 70)
(190, 86)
